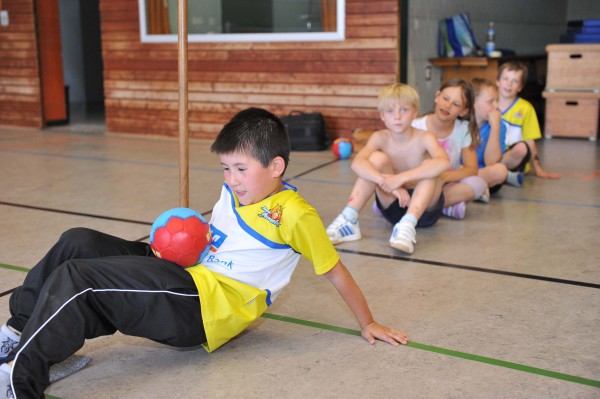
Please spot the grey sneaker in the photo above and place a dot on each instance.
(343, 230)
(403, 237)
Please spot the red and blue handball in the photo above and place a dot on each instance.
(342, 148)
(181, 235)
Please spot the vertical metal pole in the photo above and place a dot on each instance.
(184, 157)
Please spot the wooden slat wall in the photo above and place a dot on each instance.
(20, 99)
(340, 79)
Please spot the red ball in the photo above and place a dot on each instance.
(180, 235)
(342, 148)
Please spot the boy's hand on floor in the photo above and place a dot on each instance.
(539, 172)
(374, 331)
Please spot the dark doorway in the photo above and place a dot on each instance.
(82, 61)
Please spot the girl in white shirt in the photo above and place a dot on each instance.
(453, 123)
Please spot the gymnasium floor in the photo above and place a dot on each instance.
(504, 304)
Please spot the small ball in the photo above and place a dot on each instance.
(180, 235)
(342, 148)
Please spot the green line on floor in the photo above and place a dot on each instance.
(11, 267)
(412, 344)
(448, 352)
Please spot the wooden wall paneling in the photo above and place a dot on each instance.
(341, 79)
(20, 96)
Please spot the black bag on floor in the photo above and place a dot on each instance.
(307, 131)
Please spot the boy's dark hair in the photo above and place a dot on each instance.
(257, 132)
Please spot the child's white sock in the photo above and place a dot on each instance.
(515, 178)
(350, 214)
(408, 218)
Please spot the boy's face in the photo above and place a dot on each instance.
(486, 102)
(398, 116)
(450, 104)
(509, 84)
(248, 179)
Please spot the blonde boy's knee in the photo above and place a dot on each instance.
(380, 160)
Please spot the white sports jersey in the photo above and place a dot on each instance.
(254, 251)
(257, 244)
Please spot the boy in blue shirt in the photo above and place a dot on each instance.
(492, 136)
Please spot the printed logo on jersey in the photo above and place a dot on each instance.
(272, 215)
(218, 238)
(518, 114)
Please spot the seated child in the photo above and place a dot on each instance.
(492, 135)
(453, 124)
(523, 126)
(71, 295)
(401, 165)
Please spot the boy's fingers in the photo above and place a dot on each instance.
(399, 337)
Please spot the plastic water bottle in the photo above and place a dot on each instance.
(490, 44)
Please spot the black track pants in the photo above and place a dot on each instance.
(77, 243)
(86, 298)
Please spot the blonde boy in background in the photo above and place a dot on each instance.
(523, 126)
(401, 165)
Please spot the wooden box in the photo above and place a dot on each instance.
(573, 67)
(571, 114)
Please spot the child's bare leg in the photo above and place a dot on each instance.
(513, 157)
(494, 174)
(361, 192)
(457, 192)
(345, 227)
(423, 197)
(364, 189)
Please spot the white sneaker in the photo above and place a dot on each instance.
(342, 230)
(403, 237)
(6, 391)
(8, 340)
(485, 197)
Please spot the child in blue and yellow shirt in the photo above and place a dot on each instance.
(523, 126)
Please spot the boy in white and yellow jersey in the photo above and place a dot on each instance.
(91, 284)
(523, 127)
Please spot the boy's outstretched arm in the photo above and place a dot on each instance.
(537, 165)
(343, 281)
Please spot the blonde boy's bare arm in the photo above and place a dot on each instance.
(361, 164)
(437, 163)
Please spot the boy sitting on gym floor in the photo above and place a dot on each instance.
(91, 284)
